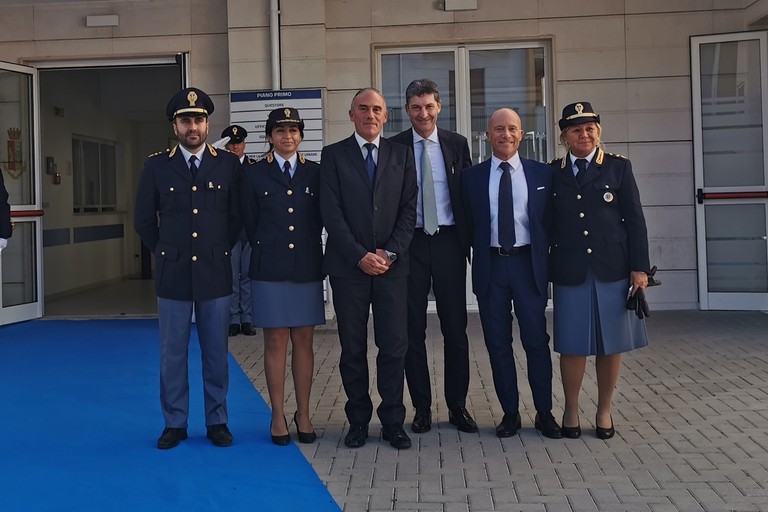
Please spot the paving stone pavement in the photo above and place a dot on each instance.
(691, 415)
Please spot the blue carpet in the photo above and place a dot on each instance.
(81, 415)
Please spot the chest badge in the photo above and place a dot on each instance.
(608, 197)
(210, 185)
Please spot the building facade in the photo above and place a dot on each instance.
(680, 87)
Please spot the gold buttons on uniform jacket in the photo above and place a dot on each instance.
(585, 233)
(162, 253)
(194, 234)
(589, 251)
(290, 210)
(195, 211)
(581, 215)
(291, 246)
(291, 228)
(171, 189)
(194, 188)
(290, 192)
(578, 196)
(194, 258)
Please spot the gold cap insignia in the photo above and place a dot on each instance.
(192, 98)
(579, 108)
(234, 130)
(287, 112)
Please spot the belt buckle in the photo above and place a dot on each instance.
(501, 252)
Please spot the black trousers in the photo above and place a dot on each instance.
(352, 298)
(438, 262)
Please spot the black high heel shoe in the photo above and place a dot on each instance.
(284, 439)
(304, 437)
(570, 432)
(604, 433)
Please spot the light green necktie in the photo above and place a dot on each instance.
(428, 202)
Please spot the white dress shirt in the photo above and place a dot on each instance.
(519, 199)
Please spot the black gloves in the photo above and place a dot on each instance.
(637, 302)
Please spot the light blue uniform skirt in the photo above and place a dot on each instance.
(287, 304)
(592, 319)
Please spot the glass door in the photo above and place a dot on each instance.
(730, 107)
(21, 261)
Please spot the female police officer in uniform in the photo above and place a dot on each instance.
(282, 220)
(599, 248)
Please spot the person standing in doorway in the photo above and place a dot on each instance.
(240, 309)
(6, 226)
(188, 215)
(368, 201)
(438, 257)
(507, 200)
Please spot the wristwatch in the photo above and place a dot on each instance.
(391, 256)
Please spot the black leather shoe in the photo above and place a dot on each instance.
(509, 425)
(460, 417)
(604, 433)
(171, 437)
(282, 440)
(356, 435)
(304, 437)
(396, 436)
(219, 434)
(234, 329)
(571, 432)
(248, 329)
(547, 425)
(422, 421)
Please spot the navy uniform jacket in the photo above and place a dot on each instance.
(478, 204)
(190, 226)
(457, 157)
(5, 211)
(598, 224)
(361, 218)
(283, 221)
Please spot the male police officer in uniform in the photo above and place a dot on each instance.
(187, 214)
(240, 308)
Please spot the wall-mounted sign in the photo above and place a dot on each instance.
(250, 110)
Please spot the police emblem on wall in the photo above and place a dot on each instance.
(14, 164)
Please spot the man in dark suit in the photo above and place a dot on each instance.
(438, 257)
(6, 226)
(368, 204)
(507, 200)
(188, 215)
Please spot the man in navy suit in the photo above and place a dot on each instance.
(438, 257)
(507, 200)
(368, 205)
(188, 215)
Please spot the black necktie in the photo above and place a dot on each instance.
(582, 164)
(370, 164)
(193, 166)
(506, 208)
(287, 170)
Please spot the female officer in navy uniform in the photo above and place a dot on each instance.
(599, 249)
(282, 220)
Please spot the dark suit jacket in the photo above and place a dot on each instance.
(361, 218)
(476, 200)
(598, 224)
(5, 211)
(283, 221)
(199, 222)
(457, 157)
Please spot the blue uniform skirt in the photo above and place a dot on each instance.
(592, 319)
(287, 304)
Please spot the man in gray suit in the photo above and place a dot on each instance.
(368, 204)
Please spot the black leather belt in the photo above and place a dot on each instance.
(439, 229)
(523, 249)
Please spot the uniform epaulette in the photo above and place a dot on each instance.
(552, 161)
(616, 155)
(158, 153)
